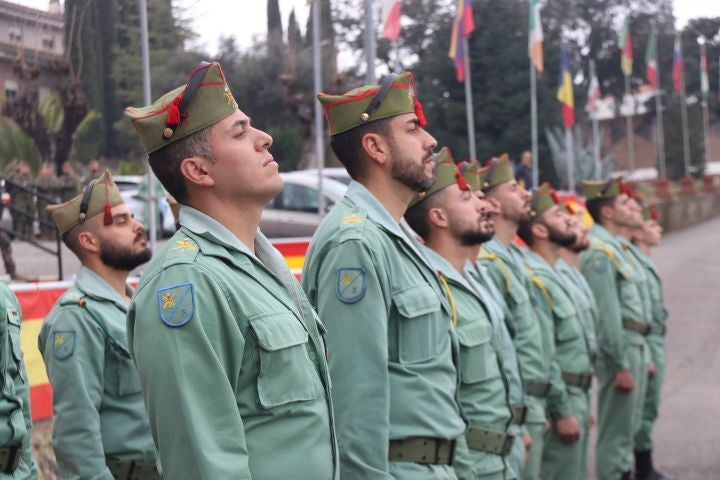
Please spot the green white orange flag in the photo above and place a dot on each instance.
(651, 66)
(535, 36)
(625, 45)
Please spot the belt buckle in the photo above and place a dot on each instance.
(439, 447)
(13, 461)
(508, 444)
(522, 417)
(648, 330)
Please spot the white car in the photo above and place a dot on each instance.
(294, 212)
(129, 186)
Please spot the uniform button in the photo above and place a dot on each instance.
(312, 356)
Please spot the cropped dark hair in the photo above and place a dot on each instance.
(595, 206)
(348, 149)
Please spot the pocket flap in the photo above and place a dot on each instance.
(276, 331)
(13, 316)
(563, 309)
(416, 301)
(474, 334)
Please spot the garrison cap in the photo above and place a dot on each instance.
(544, 198)
(203, 101)
(98, 196)
(651, 213)
(474, 173)
(596, 189)
(395, 96)
(500, 170)
(446, 174)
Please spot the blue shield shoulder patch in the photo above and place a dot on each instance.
(176, 304)
(351, 285)
(63, 344)
(600, 264)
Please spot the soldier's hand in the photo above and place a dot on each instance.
(527, 442)
(624, 380)
(568, 428)
(652, 370)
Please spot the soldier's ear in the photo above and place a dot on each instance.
(375, 147)
(438, 217)
(540, 230)
(197, 171)
(87, 241)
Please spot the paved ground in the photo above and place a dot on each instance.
(688, 432)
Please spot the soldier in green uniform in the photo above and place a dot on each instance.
(230, 352)
(621, 365)
(474, 175)
(647, 237)
(101, 428)
(16, 462)
(20, 190)
(46, 184)
(93, 171)
(392, 347)
(452, 220)
(504, 262)
(568, 403)
(68, 182)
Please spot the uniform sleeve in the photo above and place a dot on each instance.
(601, 276)
(27, 468)
(74, 354)
(189, 375)
(358, 358)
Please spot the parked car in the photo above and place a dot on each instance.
(129, 186)
(335, 173)
(294, 212)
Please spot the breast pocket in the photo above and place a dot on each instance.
(478, 361)
(566, 322)
(420, 324)
(123, 377)
(286, 373)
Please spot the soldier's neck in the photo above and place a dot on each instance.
(117, 279)
(451, 250)
(393, 195)
(572, 258)
(505, 230)
(549, 251)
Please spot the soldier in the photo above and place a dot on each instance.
(68, 182)
(647, 237)
(46, 185)
(568, 403)
(93, 171)
(453, 220)
(16, 460)
(20, 190)
(391, 343)
(229, 350)
(101, 428)
(621, 365)
(504, 261)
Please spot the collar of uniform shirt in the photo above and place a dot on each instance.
(95, 286)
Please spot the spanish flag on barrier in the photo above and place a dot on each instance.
(565, 91)
(463, 26)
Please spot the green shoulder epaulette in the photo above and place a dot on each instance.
(352, 226)
(537, 281)
(72, 297)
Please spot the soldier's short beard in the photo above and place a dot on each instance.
(408, 171)
(122, 257)
(561, 238)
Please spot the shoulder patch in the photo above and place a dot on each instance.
(351, 284)
(63, 344)
(176, 304)
(600, 264)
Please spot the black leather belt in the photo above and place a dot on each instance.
(132, 470)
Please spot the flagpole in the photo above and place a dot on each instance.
(317, 86)
(596, 131)
(570, 158)
(706, 130)
(533, 126)
(396, 49)
(629, 127)
(370, 53)
(704, 92)
(683, 117)
(469, 100)
(660, 131)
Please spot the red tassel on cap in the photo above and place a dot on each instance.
(654, 214)
(554, 196)
(570, 209)
(420, 113)
(461, 182)
(173, 116)
(107, 219)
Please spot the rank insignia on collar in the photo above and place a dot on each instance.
(352, 219)
(351, 285)
(185, 244)
(63, 344)
(176, 304)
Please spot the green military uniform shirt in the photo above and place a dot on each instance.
(231, 360)
(483, 386)
(659, 314)
(506, 268)
(584, 300)
(97, 403)
(15, 419)
(391, 343)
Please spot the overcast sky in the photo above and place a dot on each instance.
(245, 19)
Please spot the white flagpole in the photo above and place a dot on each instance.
(317, 85)
(534, 126)
(570, 159)
(595, 129)
(370, 49)
(660, 131)
(150, 177)
(469, 100)
(683, 116)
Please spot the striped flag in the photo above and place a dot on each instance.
(565, 91)
(594, 94)
(391, 11)
(535, 36)
(651, 66)
(625, 45)
(704, 81)
(463, 26)
(677, 71)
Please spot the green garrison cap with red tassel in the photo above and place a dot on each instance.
(395, 96)
(204, 100)
(446, 174)
(500, 170)
(595, 189)
(543, 199)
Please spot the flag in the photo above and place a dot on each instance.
(651, 66)
(625, 44)
(463, 26)
(704, 81)
(535, 36)
(565, 91)
(677, 71)
(593, 91)
(391, 11)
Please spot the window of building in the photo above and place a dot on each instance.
(48, 42)
(15, 35)
(11, 89)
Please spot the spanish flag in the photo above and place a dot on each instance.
(565, 91)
